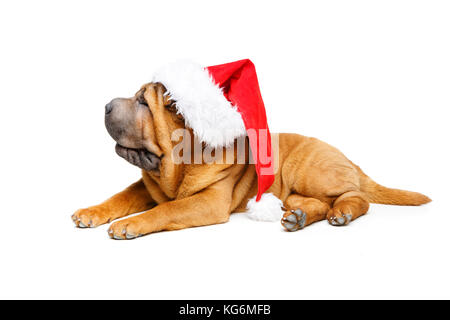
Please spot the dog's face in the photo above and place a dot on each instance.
(131, 123)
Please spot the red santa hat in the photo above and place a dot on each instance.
(221, 103)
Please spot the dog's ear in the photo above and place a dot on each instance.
(160, 104)
(162, 91)
(169, 104)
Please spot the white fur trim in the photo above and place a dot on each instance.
(201, 103)
(268, 208)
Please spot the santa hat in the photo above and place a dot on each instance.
(221, 103)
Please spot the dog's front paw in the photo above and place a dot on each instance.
(90, 217)
(294, 220)
(124, 230)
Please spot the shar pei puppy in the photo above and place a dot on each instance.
(314, 180)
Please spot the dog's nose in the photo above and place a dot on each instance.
(108, 108)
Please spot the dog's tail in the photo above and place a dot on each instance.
(376, 193)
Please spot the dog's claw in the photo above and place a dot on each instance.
(124, 235)
(130, 236)
(81, 224)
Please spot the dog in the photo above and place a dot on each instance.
(315, 181)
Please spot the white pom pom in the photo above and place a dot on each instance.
(268, 208)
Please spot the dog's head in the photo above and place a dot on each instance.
(141, 126)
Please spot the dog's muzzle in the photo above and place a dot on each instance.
(141, 158)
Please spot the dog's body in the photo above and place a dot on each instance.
(314, 180)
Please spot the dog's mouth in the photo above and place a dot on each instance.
(141, 158)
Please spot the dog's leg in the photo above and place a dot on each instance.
(211, 206)
(133, 199)
(302, 211)
(347, 207)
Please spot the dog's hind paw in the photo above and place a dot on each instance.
(339, 219)
(294, 220)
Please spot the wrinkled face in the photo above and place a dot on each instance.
(130, 123)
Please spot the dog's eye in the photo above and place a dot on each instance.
(142, 100)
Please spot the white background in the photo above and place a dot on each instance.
(369, 77)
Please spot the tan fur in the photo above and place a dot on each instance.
(313, 177)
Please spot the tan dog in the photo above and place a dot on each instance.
(315, 181)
